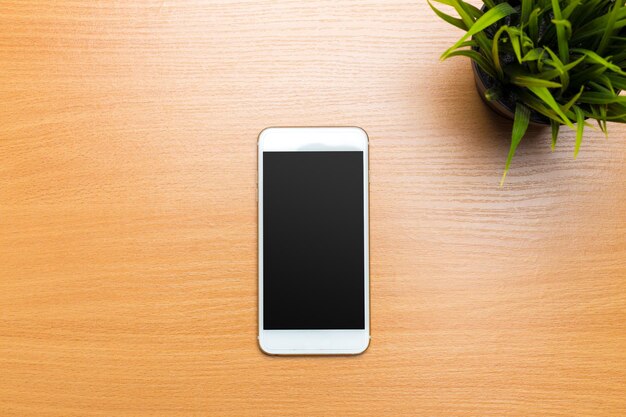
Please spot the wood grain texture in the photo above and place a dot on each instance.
(128, 219)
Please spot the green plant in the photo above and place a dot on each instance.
(562, 61)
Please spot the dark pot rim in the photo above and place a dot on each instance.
(501, 107)
(498, 106)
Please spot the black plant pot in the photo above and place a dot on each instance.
(504, 106)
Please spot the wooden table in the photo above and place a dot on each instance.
(128, 220)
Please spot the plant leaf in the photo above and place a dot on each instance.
(600, 116)
(495, 51)
(533, 25)
(559, 66)
(600, 88)
(606, 81)
(533, 55)
(616, 112)
(490, 4)
(599, 60)
(560, 32)
(499, 12)
(580, 121)
(598, 97)
(458, 6)
(474, 11)
(520, 124)
(590, 73)
(527, 7)
(610, 27)
(452, 20)
(515, 39)
(528, 81)
(596, 25)
(560, 69)
(566, 24)
(480, 60)
(616, 81)
(570, 8)
(516, 43)
(544, 94)
(555, 133)
(573, 100)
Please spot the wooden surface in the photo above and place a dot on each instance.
(128, 220)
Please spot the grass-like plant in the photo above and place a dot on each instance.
(558, 62)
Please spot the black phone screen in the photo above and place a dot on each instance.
(313, 240)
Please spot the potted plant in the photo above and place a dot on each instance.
(550, 62)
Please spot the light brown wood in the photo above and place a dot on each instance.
(128, 219)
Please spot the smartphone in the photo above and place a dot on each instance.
(313, 241)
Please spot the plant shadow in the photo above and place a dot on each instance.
(462, 116)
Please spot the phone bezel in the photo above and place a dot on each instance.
(314, 342)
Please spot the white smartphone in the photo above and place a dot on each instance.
(313, 241)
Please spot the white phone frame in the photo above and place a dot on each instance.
(314, 342)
